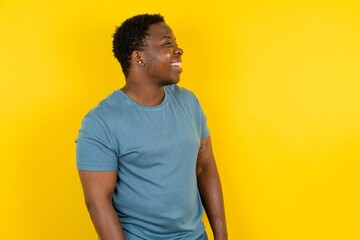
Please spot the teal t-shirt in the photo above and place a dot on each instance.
(154, 150)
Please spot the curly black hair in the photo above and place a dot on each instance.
(130, 37)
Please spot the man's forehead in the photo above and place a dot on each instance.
(160, 31)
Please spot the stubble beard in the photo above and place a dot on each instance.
(157, 79)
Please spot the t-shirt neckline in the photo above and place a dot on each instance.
(138, 105)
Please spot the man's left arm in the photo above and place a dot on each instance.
(210, 189)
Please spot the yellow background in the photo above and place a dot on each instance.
(278, 80)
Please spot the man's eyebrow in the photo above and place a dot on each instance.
(168, 37)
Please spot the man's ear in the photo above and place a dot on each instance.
(137, 58)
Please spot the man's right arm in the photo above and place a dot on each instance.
(98, 189)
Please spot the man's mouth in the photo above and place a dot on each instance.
(175, 64)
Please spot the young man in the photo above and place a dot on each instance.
(144, 153)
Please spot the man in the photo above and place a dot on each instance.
(144, 153)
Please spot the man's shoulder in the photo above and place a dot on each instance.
(178, 91)
(184, 97)
(105, 108)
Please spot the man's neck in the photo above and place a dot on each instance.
(144, 94)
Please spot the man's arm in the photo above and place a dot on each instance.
(210, 189)
(98, 189)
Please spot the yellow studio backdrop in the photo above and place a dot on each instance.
(278, 80)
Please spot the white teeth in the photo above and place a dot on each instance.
(176, 64)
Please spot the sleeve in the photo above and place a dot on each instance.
(201, 120)
(94, 148)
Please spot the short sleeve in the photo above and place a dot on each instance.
(205, 132)
(94, 148)
(203, 128)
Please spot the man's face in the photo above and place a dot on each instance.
(162, 56)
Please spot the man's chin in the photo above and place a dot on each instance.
(166, 83)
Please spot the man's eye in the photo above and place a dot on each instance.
(170, 44)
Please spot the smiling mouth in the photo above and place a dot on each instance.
(175, 64)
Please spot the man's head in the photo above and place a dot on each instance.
(130, 37)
